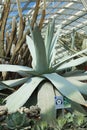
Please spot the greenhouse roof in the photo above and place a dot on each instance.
(72, 14)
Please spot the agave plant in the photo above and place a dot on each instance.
(44, 76)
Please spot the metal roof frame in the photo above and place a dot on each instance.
(71, 13)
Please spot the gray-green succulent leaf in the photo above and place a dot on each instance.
(81, 86)
(43, 49)
(15, 82)
(5, 86)
(66, 88)
(19, 98)
(15, 68)
(48, 39)
(72, 63)
(78, 107)
(74, 73)
(79, 77)
(38, 46)
(53, 45)
(68, 58)
(31, 47)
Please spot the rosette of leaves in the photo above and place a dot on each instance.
(43, 55)
(16, 120)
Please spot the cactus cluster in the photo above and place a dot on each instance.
(22, 119)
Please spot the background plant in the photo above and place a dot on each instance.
(21, 121)
(16, 121)
(13, 49)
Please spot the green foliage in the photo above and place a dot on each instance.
(18, 121)
(1, 127)
(61, 122)
(15, 120)
(1, 100)
(69, 121)
(78, 120)
(43, 126)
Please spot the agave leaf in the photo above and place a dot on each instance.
(66, 88)
(78, 107)
(48, 38)
(19, 98)
(55, 39)
(46, 101)
(41, 60)
(15, 82)
(53, 44)
(80, 77)
(5, 86)
(25, 74)
(68, 58)
(30, 27)
(74, 73)
(82, 87)
(52, 59)
(15, 68)
(72, 63)
(31, 47)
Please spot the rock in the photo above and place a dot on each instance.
(32, 112)
(3, 110)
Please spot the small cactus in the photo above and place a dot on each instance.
(15, 120)
(22, 118)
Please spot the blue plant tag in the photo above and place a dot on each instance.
(59, 104)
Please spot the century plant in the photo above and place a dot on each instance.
(43, 69)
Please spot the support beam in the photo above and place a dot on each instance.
(84, 2)
(76, 18)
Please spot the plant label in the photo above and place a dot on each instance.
(61, 102)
